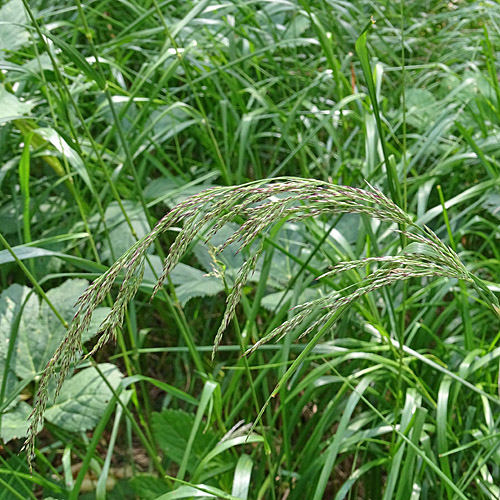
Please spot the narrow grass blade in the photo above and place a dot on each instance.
(242, 475)
(205, 401)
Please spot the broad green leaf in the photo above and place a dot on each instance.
(83, 398)
(30, 70)
(39, 331)
(296, 28)
(148, 487)
(15, 422)
(492, 204)
(18, 312)
(11, 301)
(172, 429)
(11, 107)
(271, 301)
(191, 282)
(120, 235)
(120, 105)
(173, 190)
(421, 108)
(230, 257)
(12, 34)
(167, 122)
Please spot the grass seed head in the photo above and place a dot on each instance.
(262, 203)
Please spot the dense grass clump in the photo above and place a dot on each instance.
(250, 250)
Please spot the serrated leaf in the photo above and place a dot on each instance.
(172, 428)
(83, 398)
(192, 282)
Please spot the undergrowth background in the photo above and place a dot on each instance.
(113, 112)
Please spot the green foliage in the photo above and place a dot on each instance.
(329, 174)
(11, 107)
(13, 34)
(81, 403)
(172, 429)
(29, 334)
(15, 422)
(148, 487)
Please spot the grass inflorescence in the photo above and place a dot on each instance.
(262, 204)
